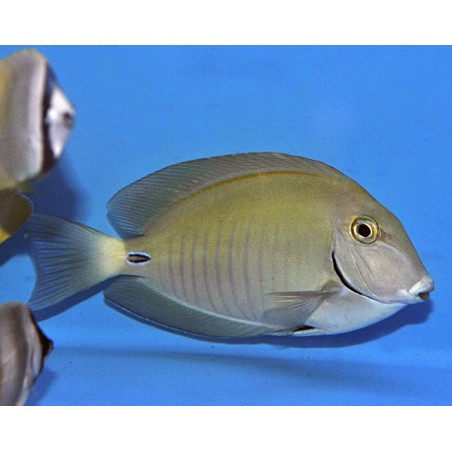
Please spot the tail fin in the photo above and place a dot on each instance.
(69, 258)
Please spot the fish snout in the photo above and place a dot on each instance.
(422, 288)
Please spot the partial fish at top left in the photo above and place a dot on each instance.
(35, 122)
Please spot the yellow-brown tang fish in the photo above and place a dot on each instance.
(23, 348)
(240, 245)
(35, 122)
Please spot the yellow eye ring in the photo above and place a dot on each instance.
(365, 230)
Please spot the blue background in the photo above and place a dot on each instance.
(382, 115)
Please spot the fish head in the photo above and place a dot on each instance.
(373, 256)
(36, 118)
(42, 346)
(58, 117)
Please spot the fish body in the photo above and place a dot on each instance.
(15, 209)
(239, 245)
(23, 349)
(35, 122)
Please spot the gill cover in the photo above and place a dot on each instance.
(35, 118)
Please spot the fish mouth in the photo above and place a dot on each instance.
(349, 285)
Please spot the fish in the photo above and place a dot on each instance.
(15, 209)
(240, 245)
(23, 350)
(36, 118)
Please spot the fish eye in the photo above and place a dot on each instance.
(365, 230)
(68, 119)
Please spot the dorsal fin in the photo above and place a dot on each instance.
(136, 206)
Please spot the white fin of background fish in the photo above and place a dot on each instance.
(229, 283)
(23, 349)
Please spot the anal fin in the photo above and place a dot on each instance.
(137, 296)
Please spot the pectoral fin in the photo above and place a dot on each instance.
(293, 309)
(14, 211)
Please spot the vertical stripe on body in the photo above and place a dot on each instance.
(205, 272)
(260, 264)
(247, 268)
(193, 265)
(274, 261)
(235, 297)
(217, 258)
(171, 266)
(181, 256)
